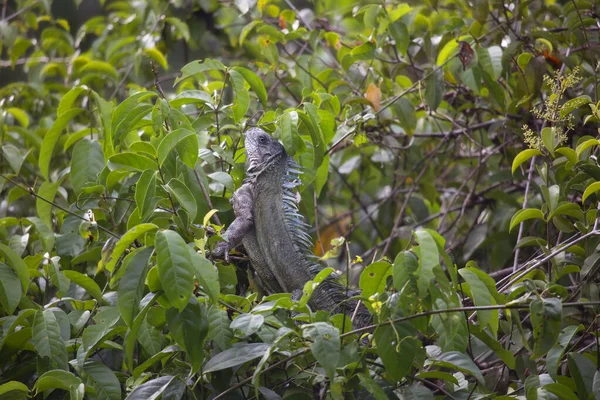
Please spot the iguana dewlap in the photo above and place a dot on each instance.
(273, 232)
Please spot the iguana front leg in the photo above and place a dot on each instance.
(243, 204)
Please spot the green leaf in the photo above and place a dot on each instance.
(132, 284)
(218, 328)
(134, 334)
(591, 189)
(524, 156)
(247, 29)
(191, 96)
(523, 60)
(405, 266)
(174, 268)
(586, 145)
(241, 102)
(374, 278)
(397, 347)
(102, 67)
(47, 339)
(288, 123)
(187, 148)
(255, 83)
(13, 155)
(13, 386)
(569, 153)
(248, 324)
(555, 354)
(429, 258)
(170, 141)
(525, 214)
(56, 379)
(131, 161)
(206, 274)
(546, 317)
(326, 344)
(505, 355)
(481, 11)
(399, 33)
(434, 89)
(157, 56)
(153, 388)
(123, 243)
(68, 99)
(127, 112)
(460, 362)
(548, 138)
(19, 115)
(583, 371)
(86, 164)
(223, 178)
(145, 189)
(85, 282)
(372, 387)
(189, 327)
(407, 116)
(17, 264)
(312, 121)
(241, 353)
(130, 120)
(574, 104)
(51, 138)
(181, 26)
(104, 380)
(481, 296)
(46, 191)
(183, 196)
(10, 289)
(45, 233)
(561, 391)
(196, 67)
(164, 353)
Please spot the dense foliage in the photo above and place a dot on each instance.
(449, 153)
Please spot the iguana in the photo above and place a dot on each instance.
(273, 232)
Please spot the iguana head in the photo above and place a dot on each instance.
(260, 149)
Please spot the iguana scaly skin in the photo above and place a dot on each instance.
(273, 232)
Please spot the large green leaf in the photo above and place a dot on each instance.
(125, 241)
(241, 353)
(17, 264)
(174, 268)
(131, 286)
(255, 83)
(241, 102)
(87, 162)
(429, 258)
(183, 196)
(206, 274)
(47, 339)
(325, 346)
(189, 327)
(10, 289)
(374, 278)
(460, 362)
(397, 347)
(85, 282)
(145, 189)
(51, 138)
(104, 380)
(546, 317)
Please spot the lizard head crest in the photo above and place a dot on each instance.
(260, 149)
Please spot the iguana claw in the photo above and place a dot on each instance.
(221, 250)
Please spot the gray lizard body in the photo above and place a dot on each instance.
(273, 232)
